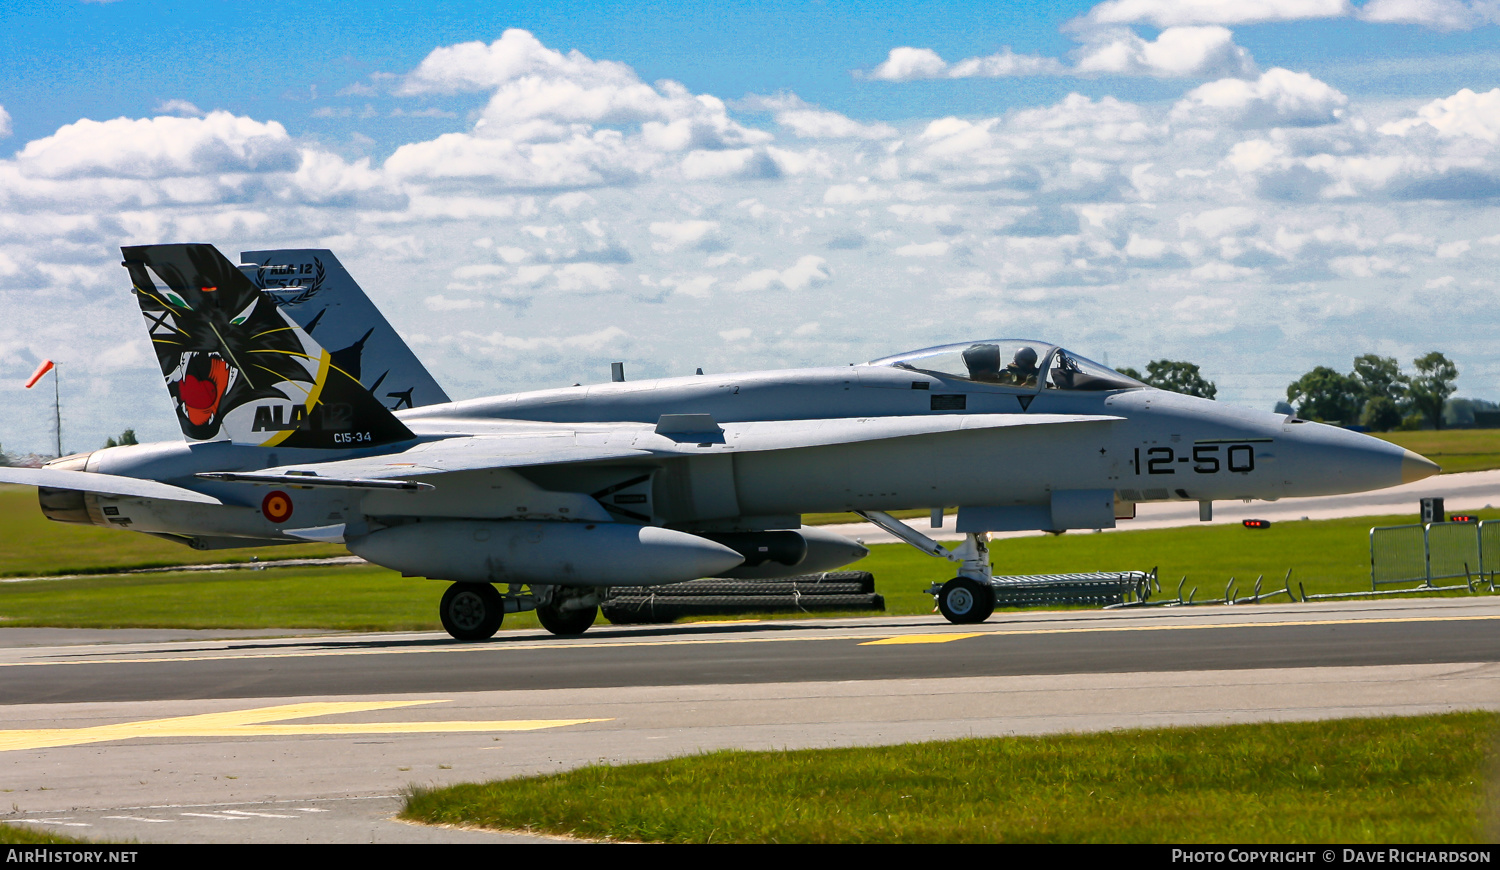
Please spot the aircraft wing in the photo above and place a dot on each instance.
(675, 435)
(104, 484)
(790, 434)
(470, 453)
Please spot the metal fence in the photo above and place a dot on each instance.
(1422, 553)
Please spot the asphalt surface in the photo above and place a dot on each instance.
(313, 739)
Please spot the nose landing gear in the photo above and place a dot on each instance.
(964, 601)
(967, 598)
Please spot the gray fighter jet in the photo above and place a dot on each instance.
(541, 500)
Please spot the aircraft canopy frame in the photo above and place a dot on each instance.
(1018, 363)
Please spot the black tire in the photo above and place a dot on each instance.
(566, 622)
(472, 611)
(964, 601)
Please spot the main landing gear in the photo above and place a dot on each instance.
(967, 598)
(474, 611)
(568, 611)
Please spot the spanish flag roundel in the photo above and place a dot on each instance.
(277, 506)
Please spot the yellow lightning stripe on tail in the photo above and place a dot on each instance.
(325, 362)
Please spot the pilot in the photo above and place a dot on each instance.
(1022, 370)
(983, 362)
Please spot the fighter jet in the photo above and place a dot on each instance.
(542, 500)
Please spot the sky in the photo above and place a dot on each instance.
(529, 194)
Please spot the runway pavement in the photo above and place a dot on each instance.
(312, 739)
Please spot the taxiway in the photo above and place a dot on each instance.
(313, 739)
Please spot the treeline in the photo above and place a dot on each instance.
(1376, 394)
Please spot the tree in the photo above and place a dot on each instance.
(1179, 377)
(1385, 391)
(1326, 396)
(1381, 376)
(1381, 414)
(126, 437)
(1432, 385)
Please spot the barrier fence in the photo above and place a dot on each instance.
(1425, 552)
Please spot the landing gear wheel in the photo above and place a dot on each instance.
(566, 622)
(472, 611)
(965, 601)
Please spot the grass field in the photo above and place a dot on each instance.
(32, 545)
(1409, 780)
(1453, 449)
(22, 835)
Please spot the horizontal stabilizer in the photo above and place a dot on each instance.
(104, 484)
(333, 534)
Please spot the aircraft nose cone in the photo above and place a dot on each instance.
(1415, 467)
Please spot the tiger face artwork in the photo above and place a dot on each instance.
(238, 368)
(222, 344)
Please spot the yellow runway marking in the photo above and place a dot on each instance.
(923, 638)
(541, 644)
(254, 723)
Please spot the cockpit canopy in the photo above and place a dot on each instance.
(1012, 362)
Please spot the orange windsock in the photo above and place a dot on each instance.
(42, 369)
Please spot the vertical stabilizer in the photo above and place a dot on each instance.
(315, 290)
(238, 368)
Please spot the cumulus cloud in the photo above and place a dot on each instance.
(1193, 41)
(930, 249)
(160, 147)
(4, 123)
(1106, 118)
(808, 271)
(1463, 114)
(1172, 13)
(1279, 98)
(807, 121)
(566, 121)
(539, 93)
(501, 345)
(1446, 15)
(819, 124)
(702, 235)
(600, 158)
(906, 64)
(1177, 52)
(177, 107)
(742, 163)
